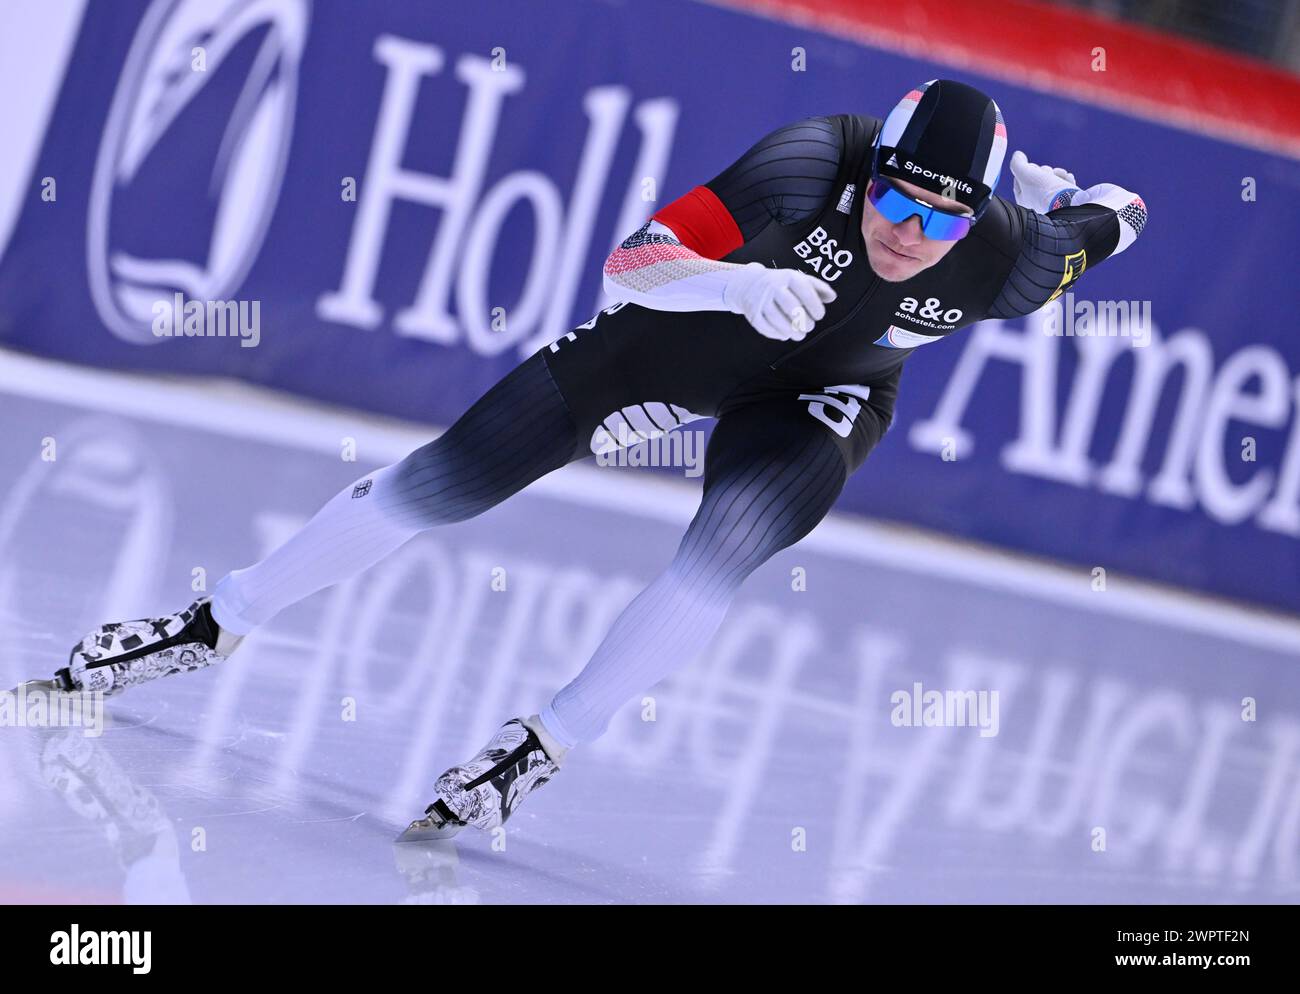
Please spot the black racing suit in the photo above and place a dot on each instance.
(797, 197)
(794, 419)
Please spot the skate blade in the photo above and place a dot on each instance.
(44, 686)
(429, 830)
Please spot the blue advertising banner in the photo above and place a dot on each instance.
(395, 203)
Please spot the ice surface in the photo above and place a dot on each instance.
(771, 772)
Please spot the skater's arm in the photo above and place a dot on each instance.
(1061, 231)
(652, 267)
(673, 262)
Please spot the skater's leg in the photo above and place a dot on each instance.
(771, 473)
(517, 432)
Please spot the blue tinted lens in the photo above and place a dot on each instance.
(897, 206)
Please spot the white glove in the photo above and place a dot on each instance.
(1036, 186)
(780, 303)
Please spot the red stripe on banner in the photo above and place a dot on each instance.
(702, 223)
(1148, 73)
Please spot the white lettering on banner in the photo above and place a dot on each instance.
(385, 181)
(1194, 468)
(1228, 401)
(473, 220)
(656, 121)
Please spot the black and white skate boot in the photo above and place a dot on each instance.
(126, 653)
(486, 790)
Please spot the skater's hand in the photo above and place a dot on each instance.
(780, 303)
(1038, 187)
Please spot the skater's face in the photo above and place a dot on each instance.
(898, 252)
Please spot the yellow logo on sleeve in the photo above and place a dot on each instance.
(1075, 264)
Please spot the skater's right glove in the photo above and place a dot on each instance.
(1041, 188)
(783, 304)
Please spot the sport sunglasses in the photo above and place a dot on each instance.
(896, 206)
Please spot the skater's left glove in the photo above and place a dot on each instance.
(1041, 188)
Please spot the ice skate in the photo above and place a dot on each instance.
(123, 654)
(486, 790)
(38, 687)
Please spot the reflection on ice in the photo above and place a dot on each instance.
(1141, 753)
(431, 872)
